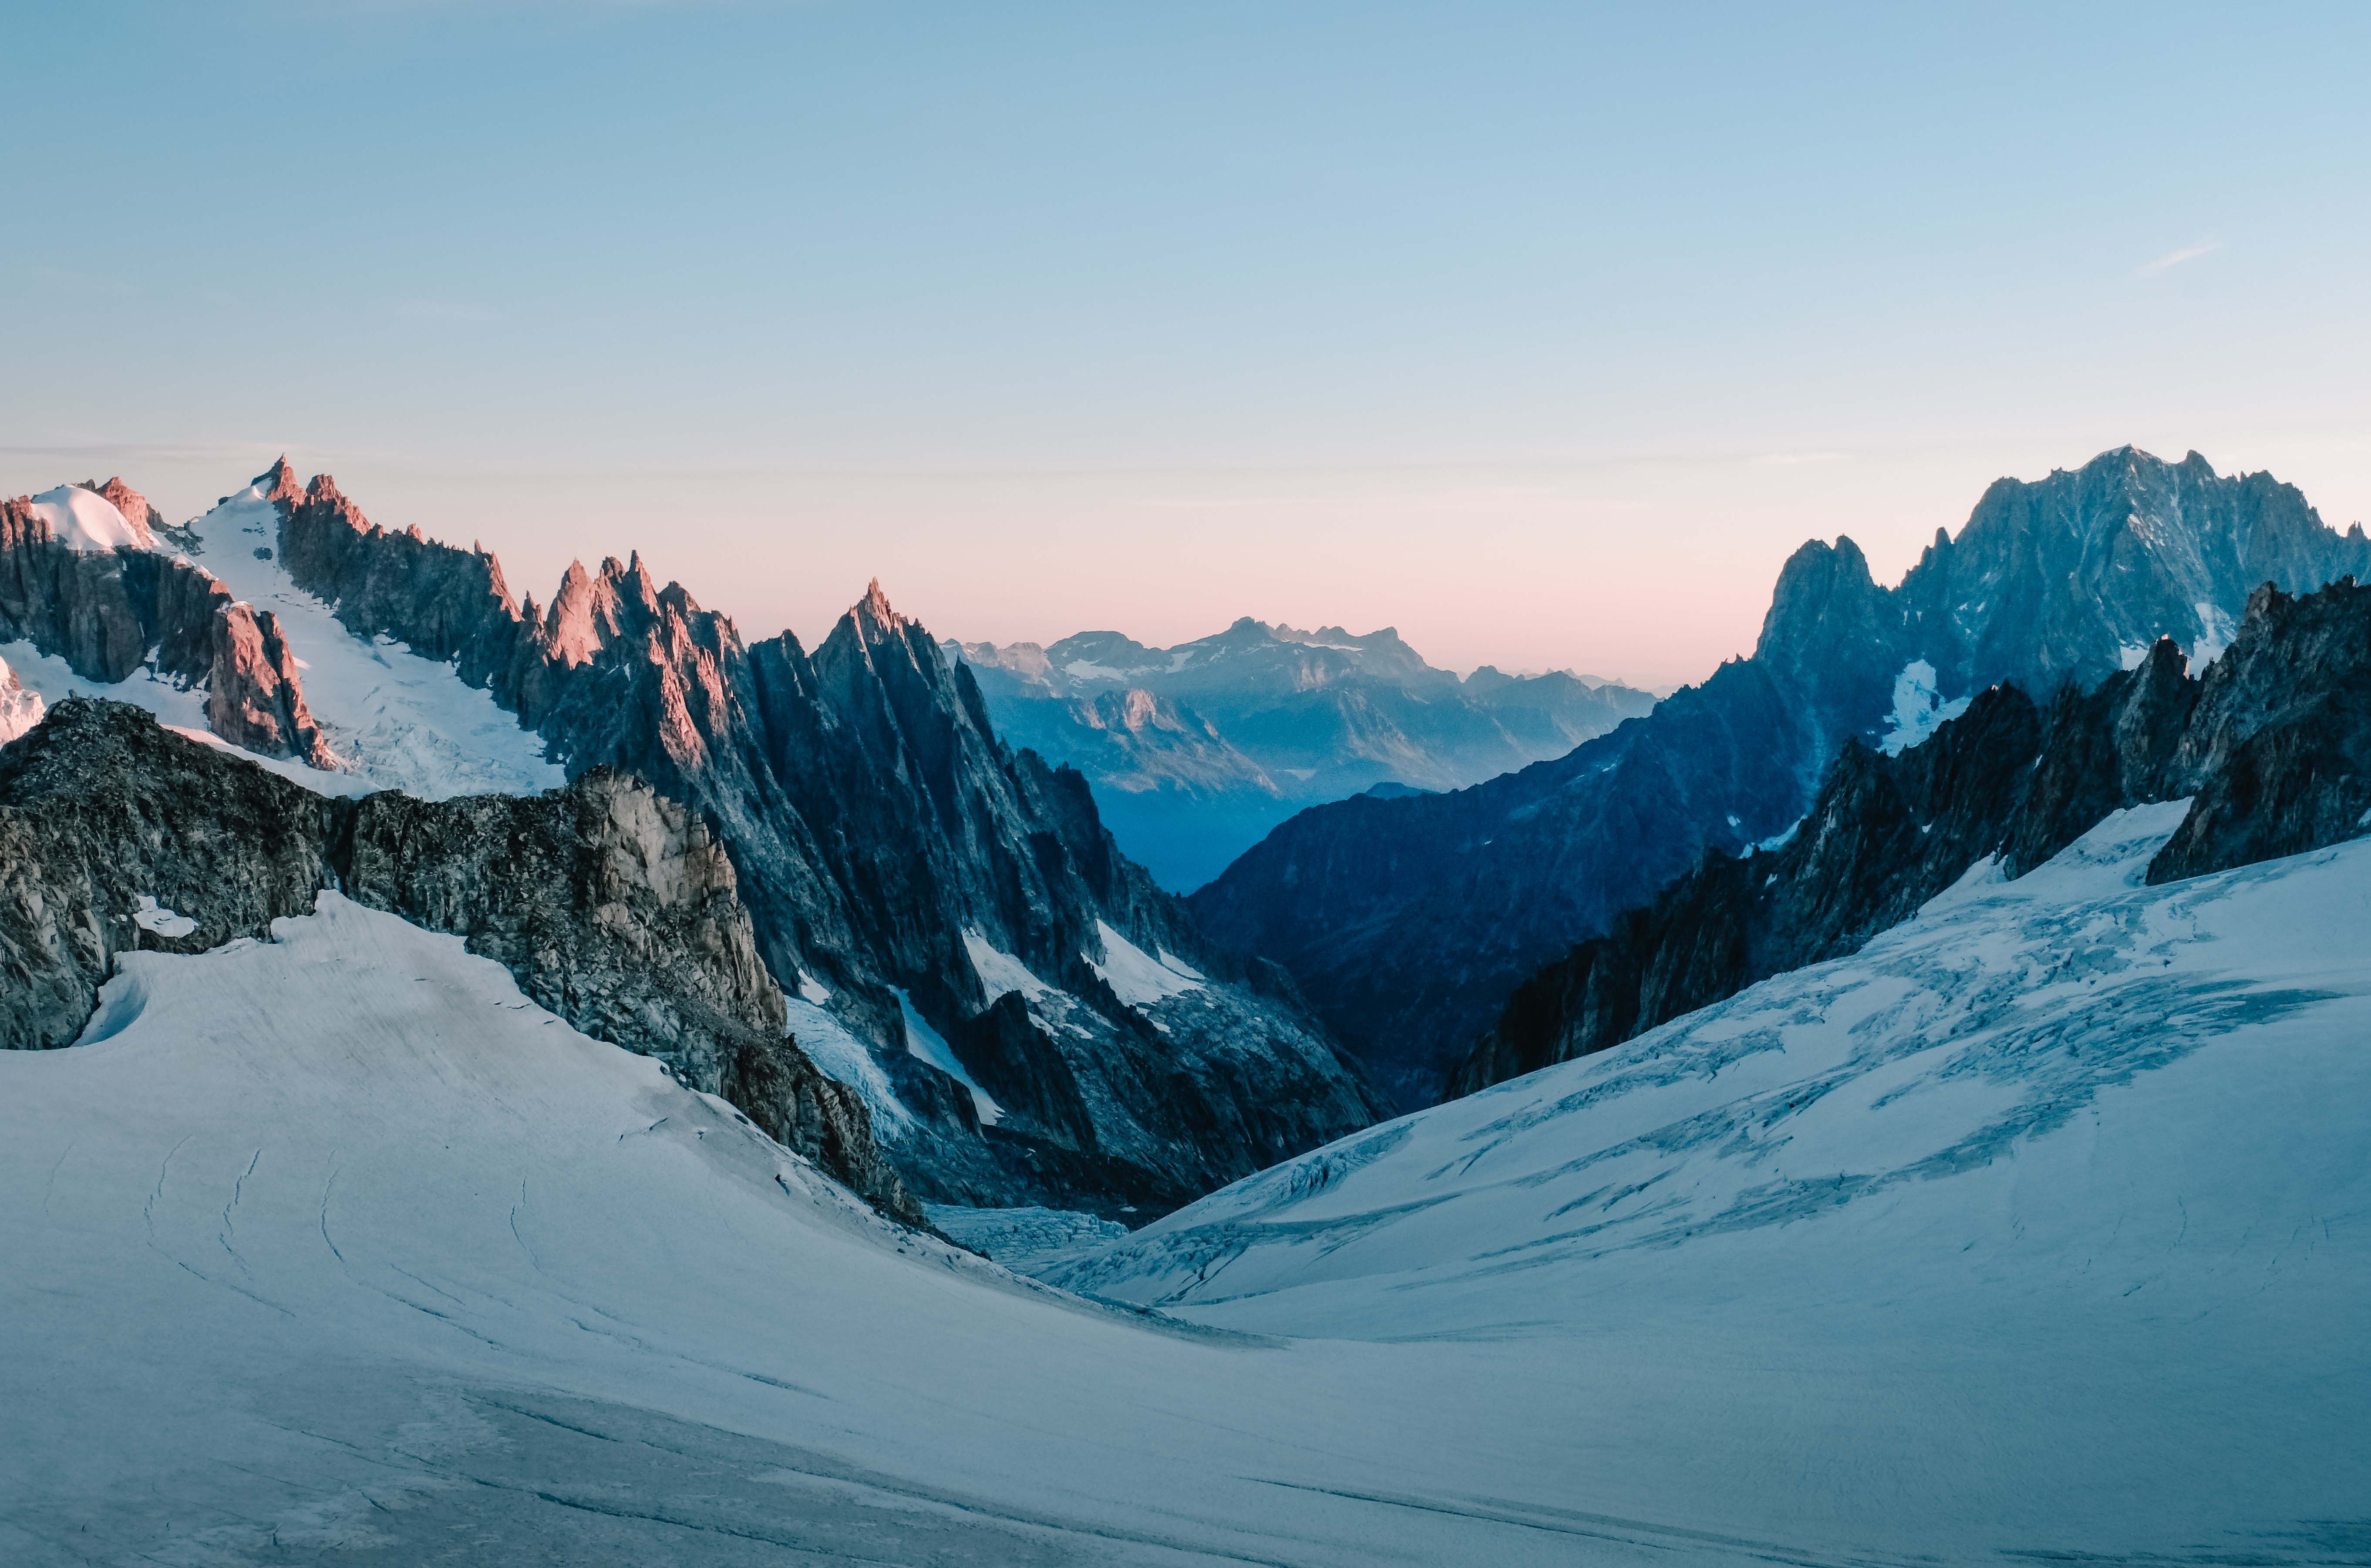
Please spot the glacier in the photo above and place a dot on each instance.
(2039, 1227)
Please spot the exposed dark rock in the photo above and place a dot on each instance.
(65, 602)
(2280, 746)
(1409, 921)
(110, 614)
(99, 808)
(253, 697)
(1016, 1060)
(611, 905)
(2274, 745)
(875, 820)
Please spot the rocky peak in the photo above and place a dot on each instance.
(279, 482)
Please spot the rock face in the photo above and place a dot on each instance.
(1195, 752)
(613, 906)
(19, 709)
(2274, 745)
(254, 698)
(1409, 921)
(886, 844)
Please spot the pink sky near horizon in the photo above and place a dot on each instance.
(1649, 569)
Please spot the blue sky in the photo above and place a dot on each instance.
(1542, 331)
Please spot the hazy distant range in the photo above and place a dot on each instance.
(1194, 752)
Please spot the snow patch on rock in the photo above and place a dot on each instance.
(1918, 707)
(1136, 976)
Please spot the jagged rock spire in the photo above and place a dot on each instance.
(279, 482)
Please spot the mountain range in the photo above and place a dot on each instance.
(948, 932)
(1195, 752)
(1409, 922)
(566, 1084)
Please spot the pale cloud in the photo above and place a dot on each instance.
(2173, 258)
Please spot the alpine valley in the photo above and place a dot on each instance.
(491, 1082)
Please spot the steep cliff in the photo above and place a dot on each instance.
(2273, 745)
(1408, 922)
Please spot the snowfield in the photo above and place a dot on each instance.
(2039, 1227)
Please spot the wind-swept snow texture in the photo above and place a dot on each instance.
(2041, 1224)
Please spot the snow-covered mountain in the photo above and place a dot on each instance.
(1408, 922)
(1197, 751)
(2035, 1227)
(2274, 742)
(1025, 1015)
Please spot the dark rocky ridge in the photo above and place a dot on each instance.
(612, 906)
(1408, 922)
(2274, 745)
(874, 819)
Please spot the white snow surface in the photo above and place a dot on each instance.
(151, 916)
(1918, 707)
(1028, 1239)
(2042, 1224)
(87, 521)
(2216, 630)
(336, 1247)
(20, 706)
(1136, 976)
(182, 710)
(1000, 970)
(840, 1055)
(927, 1043)
(401, 722)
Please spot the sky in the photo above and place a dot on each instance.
(1543, 332)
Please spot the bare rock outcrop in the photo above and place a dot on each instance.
(254, 697)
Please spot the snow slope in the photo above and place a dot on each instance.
(2041, 1224)
(336, 1249)
(84, 521)
(401, 722)
(2037, 1228)
(20, 706)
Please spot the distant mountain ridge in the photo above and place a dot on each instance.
(1408, 922)
(1194, 752)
